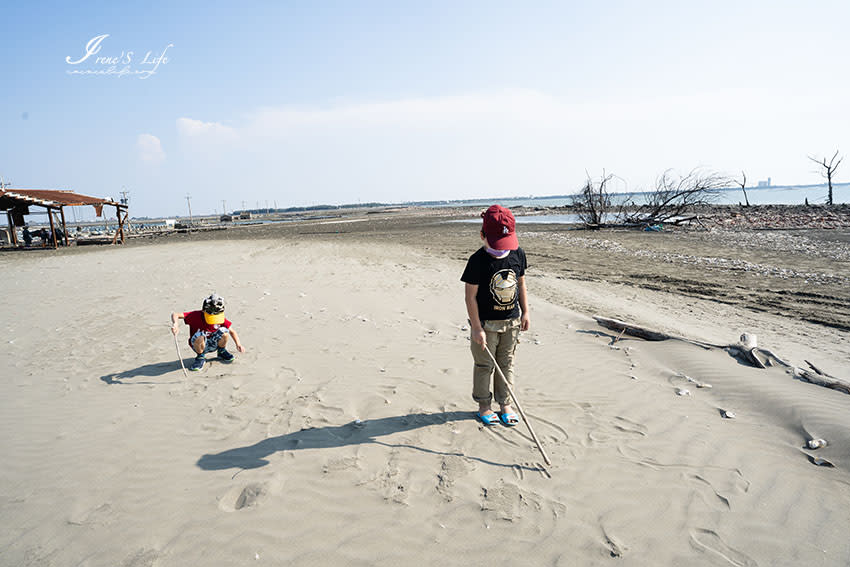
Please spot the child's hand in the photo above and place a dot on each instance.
(240, 348)
(175, 329)
(478, 336)
(525, 322)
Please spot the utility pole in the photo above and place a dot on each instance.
(188, 202)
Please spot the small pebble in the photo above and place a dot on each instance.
(683, 392)
(727, 414)
(821, 462)
(816, 443)
(704, 385)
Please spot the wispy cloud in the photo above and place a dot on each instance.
(512, 141)
(150, 149)
(191, 128)
(507, 108)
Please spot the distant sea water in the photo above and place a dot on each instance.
(774, 195)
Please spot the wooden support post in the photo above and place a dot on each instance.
(52, 229)
(64, 226)
(120, 230)
(123, 216)
(13, 233)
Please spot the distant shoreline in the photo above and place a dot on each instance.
(842, 197)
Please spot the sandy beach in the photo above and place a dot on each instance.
(346, 435)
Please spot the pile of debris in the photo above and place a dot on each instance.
(762, 217)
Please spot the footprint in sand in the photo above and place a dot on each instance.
(508, 501)
(341, 464)
(452, 468)
(615, 548)
(99, 515)
(715, 498)
(392, 481)
(142, 558)
(520, 468)
(241, 497)
(710, 542)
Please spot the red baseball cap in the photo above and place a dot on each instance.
(500, 228)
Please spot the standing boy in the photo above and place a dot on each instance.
(208, 331)
(497, 306)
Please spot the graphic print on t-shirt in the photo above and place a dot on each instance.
(503, 288)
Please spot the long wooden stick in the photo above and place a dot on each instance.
(519, 407)
(179, 357)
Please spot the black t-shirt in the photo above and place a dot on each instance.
(496, 278)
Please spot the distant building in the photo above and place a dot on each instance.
(764, 183)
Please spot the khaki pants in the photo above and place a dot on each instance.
(502, 338)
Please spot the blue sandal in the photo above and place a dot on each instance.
(510, 419)
(488, 419)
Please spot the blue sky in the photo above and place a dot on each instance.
(302, 103)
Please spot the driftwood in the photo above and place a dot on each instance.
(644, 333)
(746, 349)
(824, 380)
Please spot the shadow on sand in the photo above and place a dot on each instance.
(354, 433)
(146, 371)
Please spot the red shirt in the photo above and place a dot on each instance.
(196, 321)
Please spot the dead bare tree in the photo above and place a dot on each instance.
(674, 196)
(828, 171)
(593, 202)
(743, 185)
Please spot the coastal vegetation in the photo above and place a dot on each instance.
(672, 199)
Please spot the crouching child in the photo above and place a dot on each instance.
(208, 331)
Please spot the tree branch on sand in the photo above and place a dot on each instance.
(675, 195)
(828, 171)
(746, 350)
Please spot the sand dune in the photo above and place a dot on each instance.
(346, 435)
